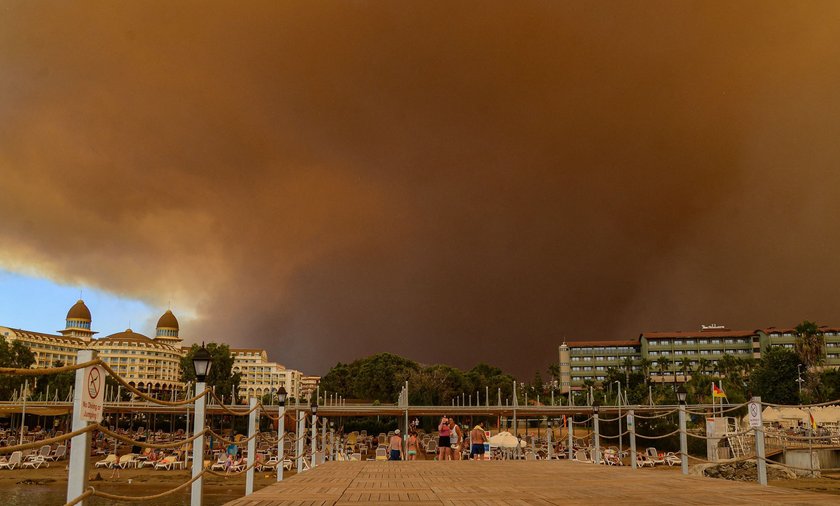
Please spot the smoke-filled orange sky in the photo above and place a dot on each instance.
(451, 181)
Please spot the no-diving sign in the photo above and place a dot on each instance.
(92, 394)
(755, 414)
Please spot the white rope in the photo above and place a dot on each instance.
(815, 405)
(657, 437)
(655, 416)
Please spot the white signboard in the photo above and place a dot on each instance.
(755, 414)
(93, 394)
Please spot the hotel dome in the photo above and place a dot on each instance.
(168, 321)
(79, 311)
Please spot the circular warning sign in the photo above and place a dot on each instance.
(94, 382)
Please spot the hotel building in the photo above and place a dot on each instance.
(260, 377)
(672, 356)
(149, 364)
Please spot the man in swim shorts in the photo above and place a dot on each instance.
(477, 440)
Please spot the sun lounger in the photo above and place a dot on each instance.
(220, 463)
(34, 462)
(672, 458)
(128, 460)
(269, 464)
(45, 451)
(59, 453)
(581, 456)
(653, 455)
(642, 460)
(108, 461)
(168, 463)
(14, 461)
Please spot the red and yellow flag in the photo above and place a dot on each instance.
(813, 422)
(717, 392)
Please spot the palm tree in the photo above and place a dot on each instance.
(727, 365)
(684, 365)
(644, 365)
(627, 363)
(702, 365)
(664, 365)
(809, 344)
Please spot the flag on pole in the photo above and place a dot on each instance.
(717, 392)
(813, 422)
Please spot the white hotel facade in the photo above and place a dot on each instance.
(150, 364)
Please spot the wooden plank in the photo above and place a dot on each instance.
(508, 482)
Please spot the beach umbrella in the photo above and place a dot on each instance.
(506, 440)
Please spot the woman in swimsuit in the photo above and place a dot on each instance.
(412, 446)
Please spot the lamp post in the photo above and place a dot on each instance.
(620, 442)
(681, 396)
(548, 437)
(314, 408)
(281, 430)
(202, 360)
(333, 447)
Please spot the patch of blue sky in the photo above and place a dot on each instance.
(39, 304)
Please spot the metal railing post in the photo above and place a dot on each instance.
(595, 428)
(760, 454)
(281, 435)
(570, 424)
(332, 445)
(252, 446)
(631, 426)
(324, 438)
(197, 490)
(548, 437)
(77, 478)
(683, 440)
(300, 436)
(314, 441)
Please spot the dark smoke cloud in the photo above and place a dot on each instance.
(456, 182)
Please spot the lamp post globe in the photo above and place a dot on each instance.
(281, 396)
(682, 393)
(202, 360)
(314, 407)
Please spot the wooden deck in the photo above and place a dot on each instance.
(522, 482)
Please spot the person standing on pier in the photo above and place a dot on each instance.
(411, 445)
(395, 446)
(456, 438)
(444, 450)
(477, 440)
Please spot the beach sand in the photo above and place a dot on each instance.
(47, 486)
